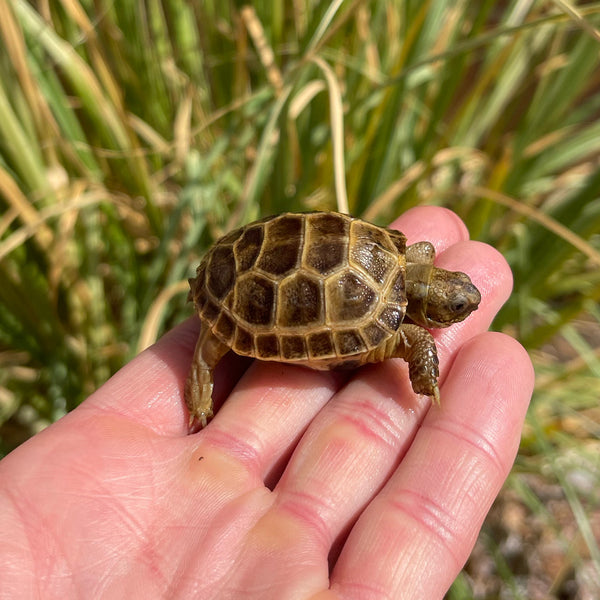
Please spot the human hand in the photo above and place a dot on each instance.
(304, 485)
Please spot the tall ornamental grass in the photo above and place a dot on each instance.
(132, 134)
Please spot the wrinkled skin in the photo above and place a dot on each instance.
(304, 485)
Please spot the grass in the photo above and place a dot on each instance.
(133, 134)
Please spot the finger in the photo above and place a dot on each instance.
(414, 537)
(434, 224)
(149, 389)
(358, 439)
(272, 405)
(266, 414)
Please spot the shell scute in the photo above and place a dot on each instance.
(232, 236)
(300, 302)
(391, 317)
(220, 273)
(320, 345)
(349, 298)
(247, 248)
(210, 310)
(364, 233)
(255, 299)
(281, 250)
(225, 327)
(267, 346)
(397, 290)
(374, 260)
(326, 242)
(374, 335)
(243, 342)
(329, 224)
(293, 347)
(349, 342)
(398, 239)
(285, 227)
(326, 256)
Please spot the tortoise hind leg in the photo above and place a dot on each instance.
(199, 383)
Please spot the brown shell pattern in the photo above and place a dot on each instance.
(304, 287)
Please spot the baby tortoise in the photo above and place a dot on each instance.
(323, 290)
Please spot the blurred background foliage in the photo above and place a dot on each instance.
(132, 134)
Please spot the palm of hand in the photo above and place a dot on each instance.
(303, 486)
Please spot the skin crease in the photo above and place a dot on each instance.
(304, 485)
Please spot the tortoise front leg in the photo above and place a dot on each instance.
(421, 253)
(199, 383)
(417, 347)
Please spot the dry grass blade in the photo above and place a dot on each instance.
(155, 316)
(265, 52)
(578, 17)
(15, 48)
(337, 135)
(26, 212)
(385, 201)
(546, 221)
(20, 236)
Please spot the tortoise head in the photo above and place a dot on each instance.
(438, 298)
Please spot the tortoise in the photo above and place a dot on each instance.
(323, 290)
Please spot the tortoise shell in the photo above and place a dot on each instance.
(314, 288)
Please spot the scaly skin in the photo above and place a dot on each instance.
(199, 384)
